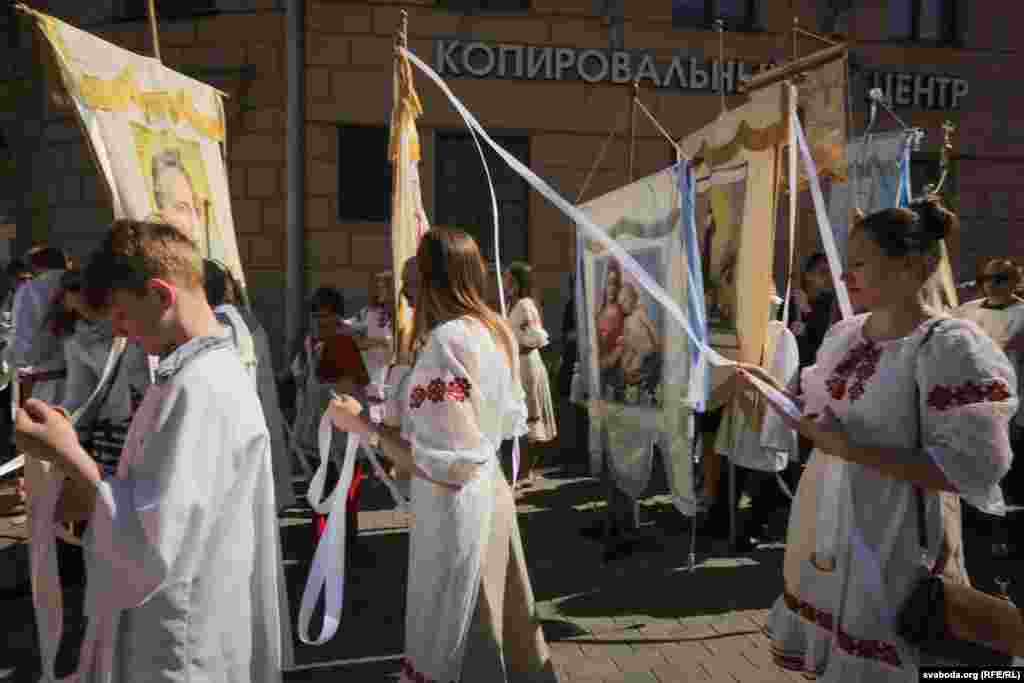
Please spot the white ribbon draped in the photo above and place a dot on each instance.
(327, 573)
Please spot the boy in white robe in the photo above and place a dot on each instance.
(181, 549)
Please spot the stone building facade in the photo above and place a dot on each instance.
(545, 76)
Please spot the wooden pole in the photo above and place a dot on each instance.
(154, 31)
(634, 97)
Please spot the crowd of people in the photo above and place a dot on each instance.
(147, 390)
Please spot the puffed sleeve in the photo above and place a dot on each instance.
(968, 397)
(527, 325)
(445, 402)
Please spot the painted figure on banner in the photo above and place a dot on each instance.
(629, 338)
(176, 176)
(719, 210)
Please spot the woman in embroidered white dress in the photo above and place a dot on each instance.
(525, 320)
(371, 328)
(469, 610)
(902, 400)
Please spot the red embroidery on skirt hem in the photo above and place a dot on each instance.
(878, 650)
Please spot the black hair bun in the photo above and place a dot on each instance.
(936, 221)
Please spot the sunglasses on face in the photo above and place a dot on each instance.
(996, 279)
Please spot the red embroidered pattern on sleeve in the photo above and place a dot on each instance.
(438, 391)
(861, 363)
(943, 397)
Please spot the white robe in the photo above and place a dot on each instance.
(181, 548)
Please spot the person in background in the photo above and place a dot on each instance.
(1001, 314)
(372, 327)
(572, 429)
(525, 320)
(470, 613)
(35, 354)
(332, 364)
(223, 292)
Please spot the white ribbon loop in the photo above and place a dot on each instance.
(327, 573)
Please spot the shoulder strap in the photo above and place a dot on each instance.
(922, 533)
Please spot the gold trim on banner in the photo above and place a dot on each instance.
(122, 92)
(747, 137)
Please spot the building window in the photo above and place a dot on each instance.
(471, 6)
(364, 174)
(738, 15)
(934, 21)
(463, 200)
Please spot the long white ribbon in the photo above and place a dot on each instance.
(327, 573)
(592, 231)
(827, 530)
(47, 595)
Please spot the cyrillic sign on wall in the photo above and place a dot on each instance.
(477, 59)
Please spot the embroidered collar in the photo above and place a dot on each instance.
(173, 363)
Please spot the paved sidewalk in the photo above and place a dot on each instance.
(642, 619)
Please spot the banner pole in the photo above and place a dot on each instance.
(154, 30)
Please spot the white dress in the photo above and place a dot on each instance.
(374, 322)
(1002, 324)
(458, 403)
(957, 391)
(525, 321)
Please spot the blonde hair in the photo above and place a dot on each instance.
(452, 281)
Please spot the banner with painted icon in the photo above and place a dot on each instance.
(155, 136)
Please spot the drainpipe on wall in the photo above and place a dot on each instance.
(295, 274)
(616, 24)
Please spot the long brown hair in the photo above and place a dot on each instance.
(452, 281)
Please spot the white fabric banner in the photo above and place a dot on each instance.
(155, 135)
(639, 358)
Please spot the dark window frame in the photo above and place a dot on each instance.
(481, 6)
(750, 23)
(953, 21)
(355, 204)
(481, 229)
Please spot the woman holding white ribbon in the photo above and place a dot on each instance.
(469, 612)
(899, 401)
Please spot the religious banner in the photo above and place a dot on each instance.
(720, 205)
(155, 135)
(822, 109)
(408, 219)
(736, 163)
(638, 357)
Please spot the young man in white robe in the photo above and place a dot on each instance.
(181, 548)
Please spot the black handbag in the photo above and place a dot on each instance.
(954, 622)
